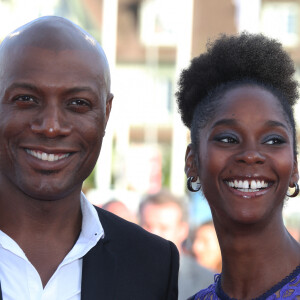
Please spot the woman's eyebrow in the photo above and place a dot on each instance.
(224, 122)
(272, 123)
(269, 123)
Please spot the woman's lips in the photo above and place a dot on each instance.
(249, 187)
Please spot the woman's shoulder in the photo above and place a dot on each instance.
(208, 293)
(288, 288)
(291, 286)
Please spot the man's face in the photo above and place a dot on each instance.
(53, 113)
(165, 220)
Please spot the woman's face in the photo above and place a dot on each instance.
(245, 156)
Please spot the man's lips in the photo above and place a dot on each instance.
(51, 157)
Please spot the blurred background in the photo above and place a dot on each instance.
(148, 43)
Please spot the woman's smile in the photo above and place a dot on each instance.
(248, 188)
(249, 185)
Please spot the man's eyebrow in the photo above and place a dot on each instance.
(79, 89)
(33, 88)
(23, 85)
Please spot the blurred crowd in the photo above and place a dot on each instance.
(166, 215)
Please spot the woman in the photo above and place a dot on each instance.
(237, 99)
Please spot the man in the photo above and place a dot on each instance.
(165, 215)
(55, 102)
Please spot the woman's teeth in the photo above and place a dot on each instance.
(247, 186)
(46, 156)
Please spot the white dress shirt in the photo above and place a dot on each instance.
(20, 280)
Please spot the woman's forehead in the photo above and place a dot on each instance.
(245, 105)
(247, 100)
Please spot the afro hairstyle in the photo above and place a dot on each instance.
(232, 59)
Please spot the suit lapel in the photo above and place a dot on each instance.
(99, 273)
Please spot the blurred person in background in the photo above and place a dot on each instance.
(294, 231)
(205, 246)
(118, 208)
(166, 215)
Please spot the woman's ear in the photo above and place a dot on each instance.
(190, 168)
(295, 174)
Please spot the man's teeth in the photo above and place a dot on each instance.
(47, 156)
(248, 186)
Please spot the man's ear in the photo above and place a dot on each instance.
(109, 100)
(190, 168)
(295, 174)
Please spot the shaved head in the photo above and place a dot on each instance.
(55, 34)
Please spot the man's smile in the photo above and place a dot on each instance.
(47, 156)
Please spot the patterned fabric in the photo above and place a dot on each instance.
(287, 289)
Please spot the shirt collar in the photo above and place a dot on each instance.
(91, 231)
(91, 226)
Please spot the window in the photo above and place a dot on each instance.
(280, 21)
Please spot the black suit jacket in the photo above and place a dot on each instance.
(129, 264)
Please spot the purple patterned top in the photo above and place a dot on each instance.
(288, 289)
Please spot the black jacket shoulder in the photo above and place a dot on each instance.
(131, 263)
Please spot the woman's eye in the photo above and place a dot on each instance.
(275, 141)
(228, 139)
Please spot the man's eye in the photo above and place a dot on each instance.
(80, 105)
(25, 101)
(80, 102)
(25, 98)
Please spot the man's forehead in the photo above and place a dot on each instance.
(53, 33)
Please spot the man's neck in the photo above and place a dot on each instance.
(45, 230)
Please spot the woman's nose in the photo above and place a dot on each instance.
(250, 156)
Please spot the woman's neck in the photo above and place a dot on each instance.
(256, 258)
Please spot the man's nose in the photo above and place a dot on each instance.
(51, 122)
